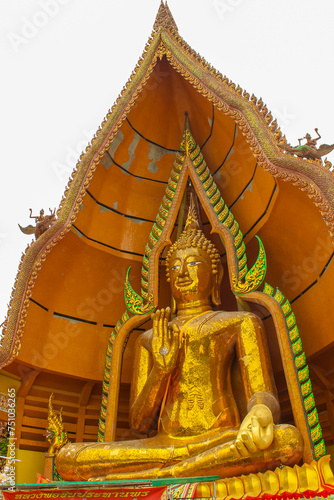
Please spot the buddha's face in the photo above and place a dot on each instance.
(191, 277)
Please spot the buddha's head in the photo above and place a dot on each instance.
(193, 266)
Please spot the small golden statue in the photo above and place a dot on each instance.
(43, 222)
(309, 150)
(182, 387)
(55, 433)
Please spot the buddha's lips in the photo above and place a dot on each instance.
(183, 282)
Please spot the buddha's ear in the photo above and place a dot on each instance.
(174, 308)
(215, 294)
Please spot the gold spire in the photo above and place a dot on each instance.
(188, 143)
(192, 219)
(164, 18)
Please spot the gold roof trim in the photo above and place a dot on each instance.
(252, 116)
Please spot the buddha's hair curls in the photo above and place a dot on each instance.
(192, 237)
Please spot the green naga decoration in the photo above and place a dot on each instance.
(134, 302)
(255, 276)
(302, 370)
(55, 433)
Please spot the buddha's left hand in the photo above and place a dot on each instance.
(256, 432)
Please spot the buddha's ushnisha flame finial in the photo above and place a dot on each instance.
(192, 236)
(164, 18)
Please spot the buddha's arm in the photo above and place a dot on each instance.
(254, 361)
(256, 431)
(147, 390)
(156, 354)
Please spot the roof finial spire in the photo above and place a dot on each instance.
(164, 18)
(188, 143)
(192, 218)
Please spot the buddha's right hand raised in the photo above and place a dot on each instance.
(165, 341)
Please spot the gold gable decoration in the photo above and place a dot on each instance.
(164, 18)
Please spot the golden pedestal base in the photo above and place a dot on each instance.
(315, 479)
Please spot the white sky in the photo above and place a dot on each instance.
(64, 62)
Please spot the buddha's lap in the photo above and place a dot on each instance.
(164, 449)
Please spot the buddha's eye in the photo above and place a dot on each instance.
(176, 267)
(193, 263)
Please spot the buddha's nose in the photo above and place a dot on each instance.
(183, 269)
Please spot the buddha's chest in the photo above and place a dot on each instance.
(206, 339)
(204, 353)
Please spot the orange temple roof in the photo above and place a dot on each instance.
(69, 290)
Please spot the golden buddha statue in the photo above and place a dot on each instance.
(182, 387)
